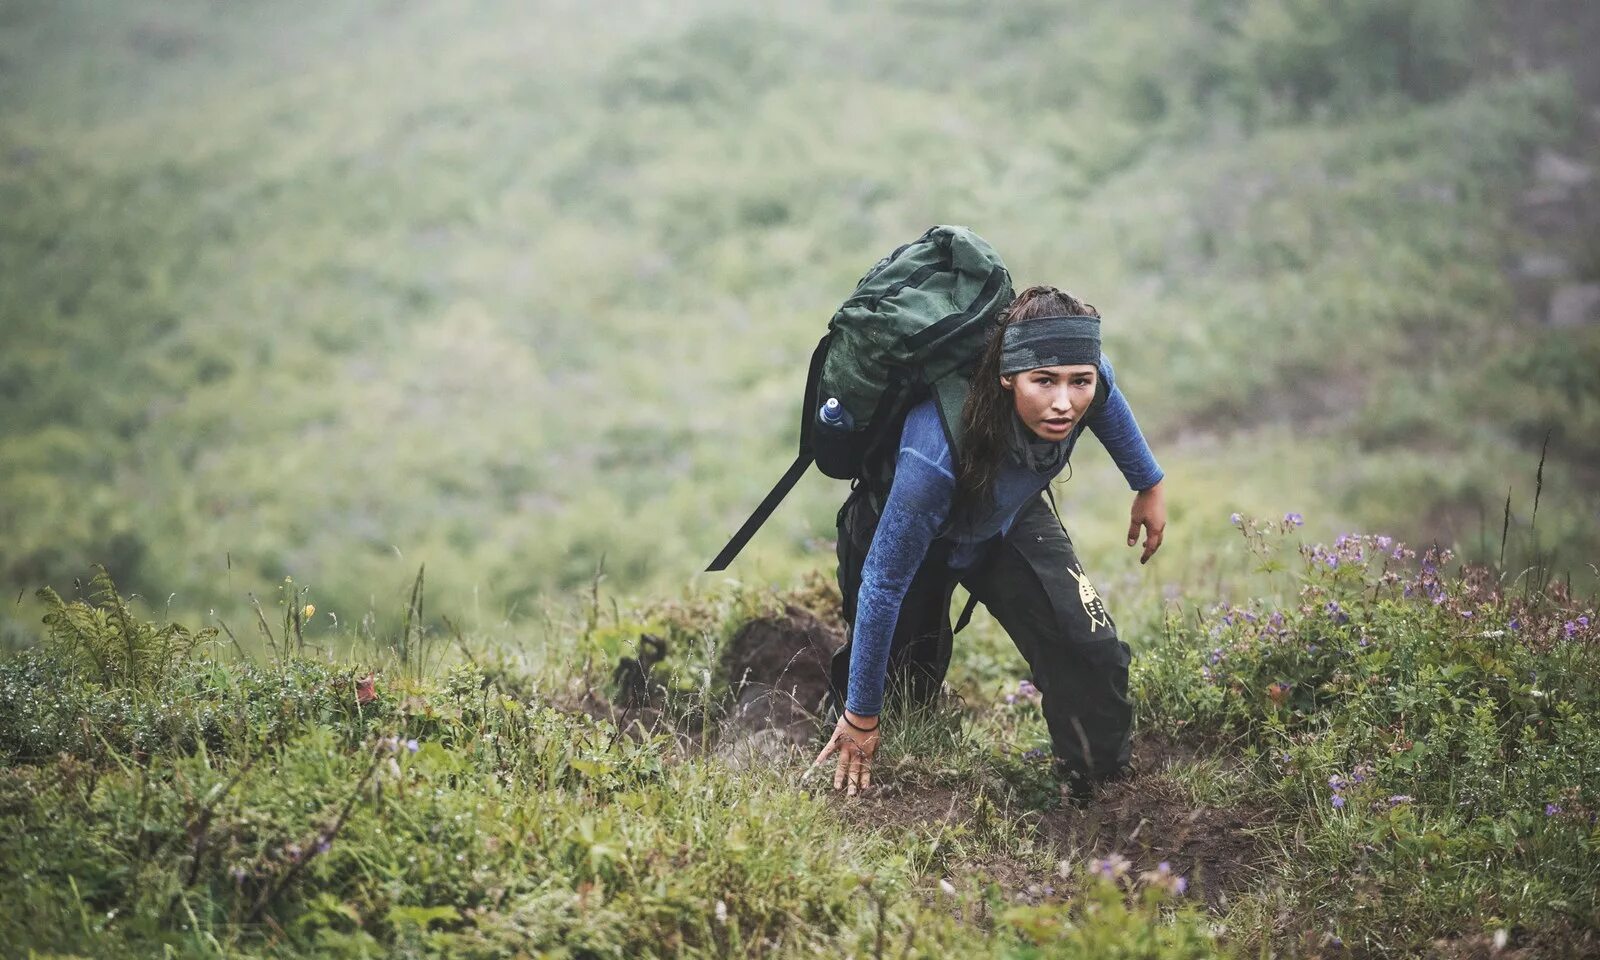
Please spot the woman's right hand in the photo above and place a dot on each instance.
(855, 747)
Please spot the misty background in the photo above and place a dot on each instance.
(522, 291)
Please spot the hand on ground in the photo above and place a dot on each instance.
(855, 749)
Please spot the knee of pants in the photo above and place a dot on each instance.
(1102, 657)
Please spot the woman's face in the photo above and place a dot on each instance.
(1051, 400)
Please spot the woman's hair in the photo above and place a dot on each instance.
(986, 417)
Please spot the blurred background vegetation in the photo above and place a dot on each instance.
(525, 290)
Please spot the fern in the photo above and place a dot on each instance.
(102, 637)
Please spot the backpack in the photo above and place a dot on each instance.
(914, 327)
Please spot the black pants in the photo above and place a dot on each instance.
(1032, 583)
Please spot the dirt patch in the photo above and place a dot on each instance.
(1147, 819)
(777, 671)
(1563, 939)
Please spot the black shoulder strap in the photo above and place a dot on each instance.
(791, 476)
(966, 615)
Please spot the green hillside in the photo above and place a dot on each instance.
(515, 289)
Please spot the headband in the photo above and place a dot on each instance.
(1049, 342)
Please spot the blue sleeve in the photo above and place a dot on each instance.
(919, 501)
(1119, 433)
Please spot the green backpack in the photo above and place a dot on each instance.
(914, 327)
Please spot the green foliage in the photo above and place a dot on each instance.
(1434, 729)
(548, 300)
(1427, 738)
(1114, 916)
(1341, 56)
(104, 641)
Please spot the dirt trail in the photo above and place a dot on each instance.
(778, 669)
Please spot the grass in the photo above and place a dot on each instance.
(403, 367)
(1381, 751)
(273, 808)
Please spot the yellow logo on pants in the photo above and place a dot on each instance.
(1092, 604)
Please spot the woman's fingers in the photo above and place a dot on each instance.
(853, 768)
(1133, 531)
(1152, 543)
(833, 744)
(859, 765)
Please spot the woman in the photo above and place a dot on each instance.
(980, 519)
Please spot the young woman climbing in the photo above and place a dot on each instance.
(980, 519)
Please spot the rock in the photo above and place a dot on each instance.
(1573, 305)
(1557, 169)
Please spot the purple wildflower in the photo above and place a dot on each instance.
(1336, 783)
(1399, 799)
(324, 844)
(1026, 688)
(1338, 802)
(413, 746)
(1571, 628)
(1551, 809)
(1583, 622)
(1383, 543)
(1294, 519)
(1235, 519)
(1181, 885)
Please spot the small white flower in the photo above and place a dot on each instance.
(721, 912)
(1500, 938)
(948, 887)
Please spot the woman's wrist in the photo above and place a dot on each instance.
(860, 722)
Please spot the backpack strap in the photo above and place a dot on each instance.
(802, 460)
(966, 614)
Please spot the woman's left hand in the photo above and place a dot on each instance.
(1150, 512)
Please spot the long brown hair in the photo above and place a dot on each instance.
(986, 417)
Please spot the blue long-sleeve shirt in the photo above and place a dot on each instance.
(919, 503)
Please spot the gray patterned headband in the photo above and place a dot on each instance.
(1049, 342)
